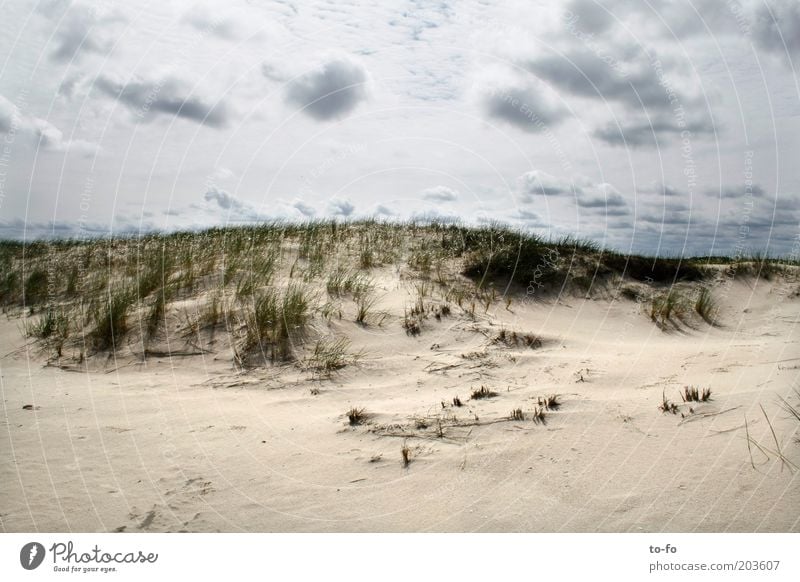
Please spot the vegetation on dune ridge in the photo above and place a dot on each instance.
(273, 285)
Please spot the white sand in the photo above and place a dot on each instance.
(190, 444)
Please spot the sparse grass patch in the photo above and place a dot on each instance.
(52, 322)
(666, 405)
(692, 394)
(705, 305)
(111, 318)
(550, 402)
(329, 356)
(364, 311)
(356, 416)
(666, 306)
(516, 414)
(36, 287)
(514, 339)
(539, 415)
(274, 321)
(482, 392)
(405, 454)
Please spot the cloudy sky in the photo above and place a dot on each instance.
(663, 126)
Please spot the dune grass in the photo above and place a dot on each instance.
(276, 284)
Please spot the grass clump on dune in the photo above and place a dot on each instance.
(111, 318)
(664, 308)
(706, 306)
(331, 355)
(275, 321)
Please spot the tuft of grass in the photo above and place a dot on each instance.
(36, 287)
(706, 306)
(550, 402)
(366, 259)
(514, 339)
(666, 405)
(692, 394)
(457, 402)
(539, 415)
(329, 356)
(275, 321)
(111, 318)
(482, 392)
(666, 306)
(412, 325)
(516, 414)
(356, 416)
(364, 312)
(792, 410)
(405, 454)
(52, 322)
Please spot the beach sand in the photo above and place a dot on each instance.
(188, 442)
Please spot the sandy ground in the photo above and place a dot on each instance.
(190, 444)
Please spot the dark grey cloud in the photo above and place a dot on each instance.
(169, 96)
(588, 16)
(536, 182)
(440, 194)
(531, 219)
(736, 192)
(237, 209)
(776, 27)
(341, 207)
(223, 198)
(651, 133)
(607, 198)
(384, 210)
(523, 107)
(586, 74)
(330, 92)
(666, 218)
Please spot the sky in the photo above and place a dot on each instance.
(667, 127)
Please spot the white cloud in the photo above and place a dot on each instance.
(440, 194)
(37, 131)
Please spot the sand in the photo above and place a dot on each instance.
(191, 443)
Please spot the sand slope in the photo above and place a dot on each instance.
(188, 443)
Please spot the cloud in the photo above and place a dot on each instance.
(584, 73)
(524, 106)
(383, 210)
(531, 218)
(537, 182)
(238, 210)
(341, 207)
(39, 132)
(304, 209)
(169, 96)
(736, 192)
(651, 133)
(83, 28)
(777, 28)
(606, 197)
(332, 91)
(588, 16)
(440, 194)
(210, 20)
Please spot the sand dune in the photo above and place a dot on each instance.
(181, 438)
